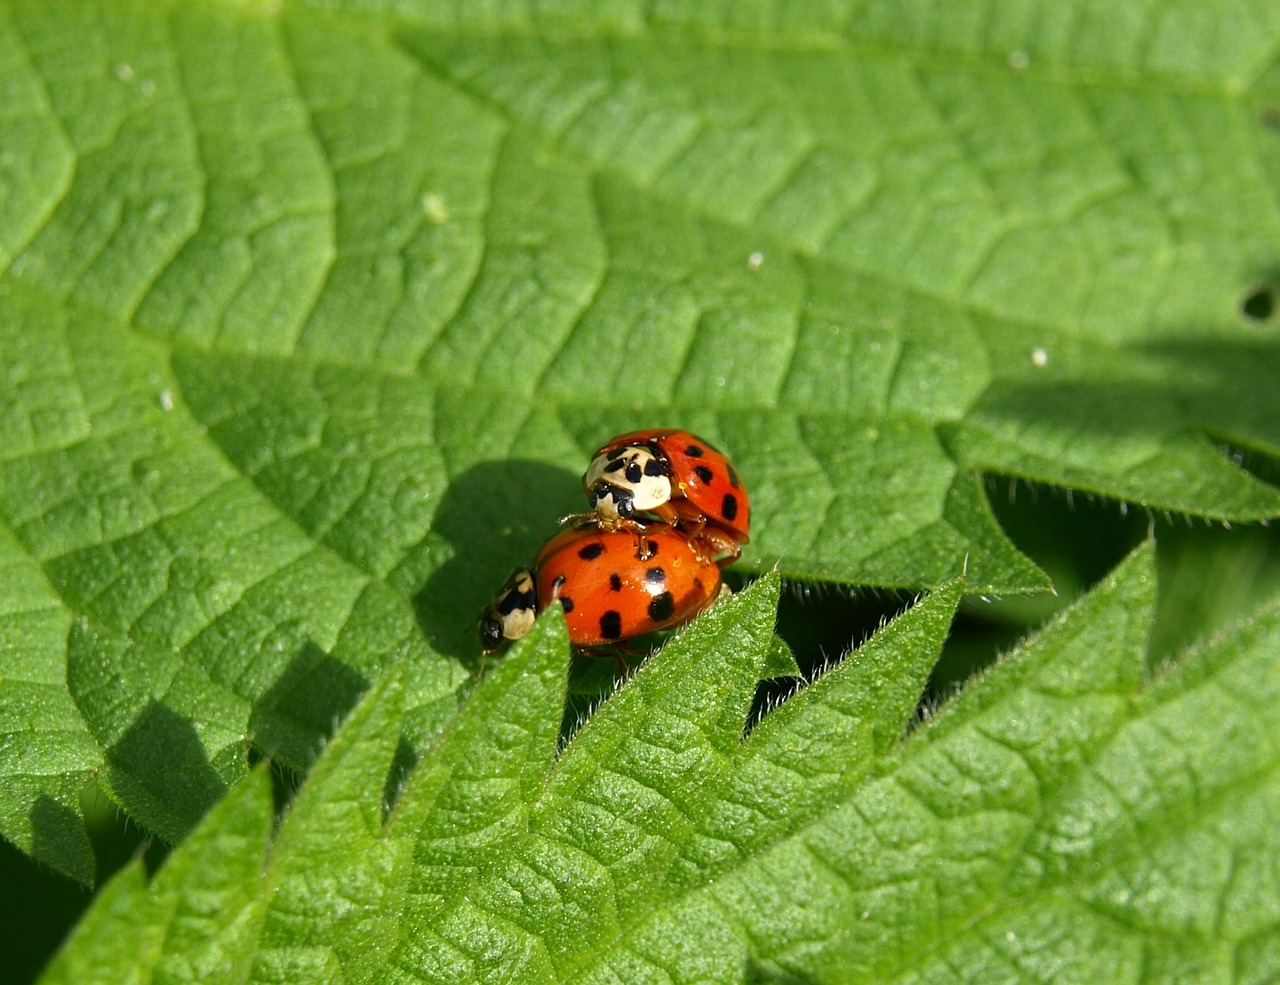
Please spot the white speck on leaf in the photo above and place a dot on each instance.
(166, 400)
(1039, 357)
(124, 72)
(755, 260)
(433, 205)
(1018, 60)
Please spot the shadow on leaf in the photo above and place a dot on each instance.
(159, 768)
(304, 706)
(1219, 385)
(758, 974)
(494, 516)
(59, 839)
(1153, 395)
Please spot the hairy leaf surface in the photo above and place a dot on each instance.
(311, 313)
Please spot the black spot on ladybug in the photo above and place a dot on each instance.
(634, 473)
(567, 603)
(693, 451)
(704, 473)
(729, 508)
(611, 625)
(623, 501)
(615, 466)
(616, 454)
(656, 466)
(655, 575)
(733, 478)
(661, 607)
(593, 551)
(615, 583)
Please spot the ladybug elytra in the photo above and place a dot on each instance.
(676, 478)
(609, 592)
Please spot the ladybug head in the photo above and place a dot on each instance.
(490, 631)
(511, 615)
(626, 480)
(612, 502)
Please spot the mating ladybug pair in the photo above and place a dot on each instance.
(668, 511)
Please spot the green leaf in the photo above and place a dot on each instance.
(196, 918)
(310, 314)
(1063, 817)
(780, 661)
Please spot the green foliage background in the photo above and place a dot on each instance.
(310, 314)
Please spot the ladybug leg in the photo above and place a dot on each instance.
(619, 650)
(668, 513)
(687, 517)
(643, 553)
(613, 653)
(712, 544)
(709, 543)
(667, 516)
(583, 520)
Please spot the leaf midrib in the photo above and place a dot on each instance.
(699, 37)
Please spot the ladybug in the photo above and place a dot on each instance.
(675, 477)
(510, 615)
(609, 594)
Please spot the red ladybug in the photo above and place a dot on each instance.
(609, 594)
(675, 477)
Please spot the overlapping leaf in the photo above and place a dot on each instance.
(1061, 819)
(309, 317)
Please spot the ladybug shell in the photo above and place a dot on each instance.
(703, 475)
(609, 594)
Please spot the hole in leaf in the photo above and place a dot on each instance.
(1259, 304)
